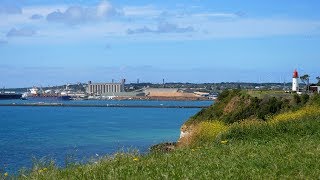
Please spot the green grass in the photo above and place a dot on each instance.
(288, 149)
(272, 93)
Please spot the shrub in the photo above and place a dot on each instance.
(315, 99)
(305, 112)
(215, 111)
(207, 132)
(304, 98)
(300, 122)
(296, 99)
(235, 105)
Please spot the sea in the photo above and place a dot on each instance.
(81, 134)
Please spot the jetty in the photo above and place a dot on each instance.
(100, 105)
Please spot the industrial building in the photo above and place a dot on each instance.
(105, 88)
(315, 89)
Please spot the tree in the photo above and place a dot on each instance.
(318, 78)
(306, 80)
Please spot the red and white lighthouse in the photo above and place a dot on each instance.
(295, 81)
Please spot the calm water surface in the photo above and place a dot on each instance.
(61, 132)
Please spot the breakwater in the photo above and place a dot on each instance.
(99, 105)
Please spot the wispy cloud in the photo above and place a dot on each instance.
(141, 11)
(216, 15)
(80, 14)
(36, 17)
(23, 32)
(163, 27)
(149, 21)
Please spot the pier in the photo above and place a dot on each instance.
(99, 105)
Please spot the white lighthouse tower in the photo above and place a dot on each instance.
(295, 81)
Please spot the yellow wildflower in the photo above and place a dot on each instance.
(224, 142)
(136, 159)
(40, 171)
(45, 169)
(193, 150)
(6, 174)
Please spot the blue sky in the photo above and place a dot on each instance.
(46, 42)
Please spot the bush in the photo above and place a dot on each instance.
(305, 98)
(207, 132)
(216, 111)
(302, 122)
(315, 99)
(296, 99)
(235, 106)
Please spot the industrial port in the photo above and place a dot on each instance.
(114, 91)
(120, 90)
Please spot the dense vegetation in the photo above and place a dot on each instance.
(236, 105)
(282, 142)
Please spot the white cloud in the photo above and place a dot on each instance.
(141, 11)
(216, 15)
(36, 17)
(163, 27)
(80, 14)
(43, 10)
(105, 9)
(147, 23)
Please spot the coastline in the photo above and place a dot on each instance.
(163, 98)
(95, 105)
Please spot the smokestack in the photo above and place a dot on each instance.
(163, 82)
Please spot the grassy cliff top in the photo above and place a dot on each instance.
(236, 105)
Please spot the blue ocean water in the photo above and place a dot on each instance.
(60, 132)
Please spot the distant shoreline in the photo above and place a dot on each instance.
(102, 106)
(164, 98)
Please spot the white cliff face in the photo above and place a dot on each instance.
(184, 134)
